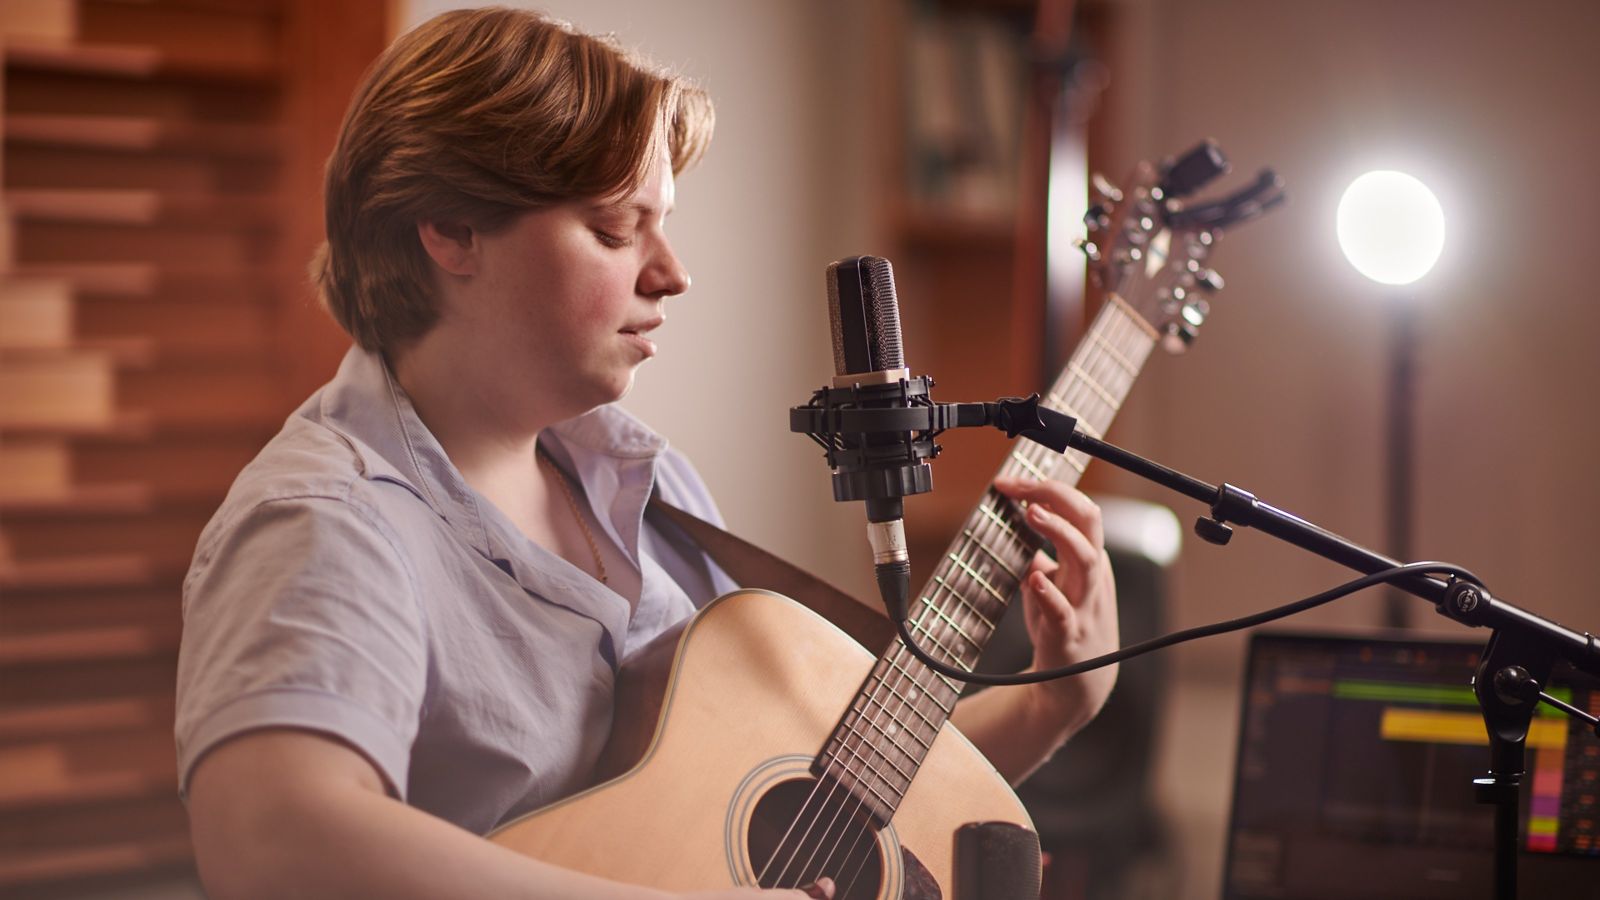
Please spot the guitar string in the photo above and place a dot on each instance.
(1093, 367)
(1038, 462)
(1089, 367)
(1042, 462)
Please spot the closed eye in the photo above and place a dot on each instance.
(614, 241)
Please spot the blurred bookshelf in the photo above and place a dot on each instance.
(159, 166)
(988, 169)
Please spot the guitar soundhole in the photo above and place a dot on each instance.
(802, 830)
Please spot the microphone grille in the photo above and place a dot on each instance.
(884, 316)
(835, 323)
(864, 315)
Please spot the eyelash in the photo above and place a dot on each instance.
(611, 240)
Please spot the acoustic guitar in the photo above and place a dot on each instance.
(757, 744)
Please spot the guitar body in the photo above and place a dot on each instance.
(718, 725)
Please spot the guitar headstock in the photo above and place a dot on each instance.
(1149, 244)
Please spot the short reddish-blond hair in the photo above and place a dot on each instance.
(475, 117)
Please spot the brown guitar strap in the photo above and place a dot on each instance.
(754, 567)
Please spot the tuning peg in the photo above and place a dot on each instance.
(1193, 170)
(1208, 279)
(1177, 337)
(1104, 190)
(1195, 313)
(1090, 250)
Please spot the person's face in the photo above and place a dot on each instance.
(567, 296)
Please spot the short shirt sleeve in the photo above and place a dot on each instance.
(301, 612)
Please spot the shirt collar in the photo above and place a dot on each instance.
(366, 404)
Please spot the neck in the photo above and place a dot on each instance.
(488, 431)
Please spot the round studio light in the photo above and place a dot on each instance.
(1390, 227)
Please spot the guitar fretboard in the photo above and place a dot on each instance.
(887, 731)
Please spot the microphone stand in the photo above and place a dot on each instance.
(1516, 662)
(1508, 682)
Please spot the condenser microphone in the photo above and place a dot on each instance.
(880, 467)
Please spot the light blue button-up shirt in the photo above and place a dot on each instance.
(354, 585)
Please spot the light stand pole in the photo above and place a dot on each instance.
(1400, 439)
(1391, 228)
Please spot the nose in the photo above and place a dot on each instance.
(663, 275)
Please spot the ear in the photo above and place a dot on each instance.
(453, 246)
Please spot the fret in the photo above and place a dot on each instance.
(896, 727)
(967, 533)
(976, 577)
(956, 594)
(962, 601)
(870, 699)
(999, 521)
(1122, 362)
(868, 742)
(976, 644)
(951, 685)
(1038, 474)
(899, 719)
(928, 633)
(860, 779)
(1059, 403)
(1133, 318)
(860, 775)
(1105, 396)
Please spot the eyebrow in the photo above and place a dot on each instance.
(647, 210)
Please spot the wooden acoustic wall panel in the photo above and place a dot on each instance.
(143, 153)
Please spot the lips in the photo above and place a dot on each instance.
(644, 327)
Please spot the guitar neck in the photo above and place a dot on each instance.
(885, 734)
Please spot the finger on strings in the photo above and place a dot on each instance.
(1063, 499)
(1047, 603)
(1071, 543)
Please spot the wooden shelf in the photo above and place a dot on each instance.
(137, 207)
(148, 280)
(108, 643)
(91, 768)
(135, 855)
(81, 572)
(94, 499)
(144, 134)
(58, 720)
(133, 62)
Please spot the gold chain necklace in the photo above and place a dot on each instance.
(572, 504)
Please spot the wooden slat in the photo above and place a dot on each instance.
(232, 245)
(60, 720)
(74, 389)
(125, 499)
(84, 644)
(145, 134)
(78, 571)
(166, 534)
(128, 61)
(35, 468)
(35, 312)
(38, 20)
(141, 207)
(131, 855)
(142, 279)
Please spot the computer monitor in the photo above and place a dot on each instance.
(1354, 776)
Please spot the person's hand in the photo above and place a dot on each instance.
(821, 890)
(1071, 604)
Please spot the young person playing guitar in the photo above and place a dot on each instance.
(402, 625)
